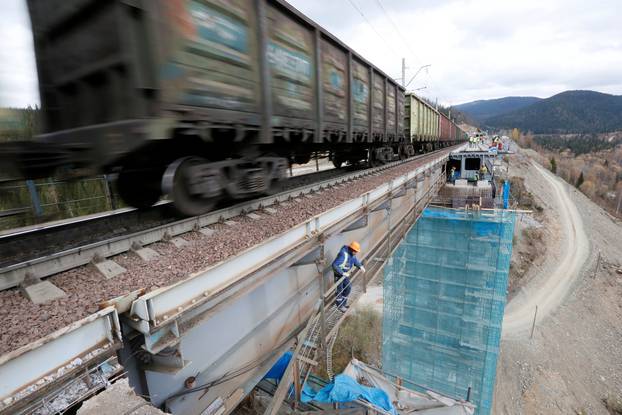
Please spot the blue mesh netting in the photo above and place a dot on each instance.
(444, 296)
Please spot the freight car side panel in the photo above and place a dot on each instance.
(360, 96)
(401, 127)
(435, 125)
(84, 74)
(445, 125)
(407, 117)
(378, 104)
(415, 119)
(334, 84)
(426, 121)
(391, 109)
(290, 56)
(431, 119)
(213, 50)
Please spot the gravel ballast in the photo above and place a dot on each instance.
(22, 322)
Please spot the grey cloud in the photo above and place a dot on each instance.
(477, 48)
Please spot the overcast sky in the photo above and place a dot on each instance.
(477, 49)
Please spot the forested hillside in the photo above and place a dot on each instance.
(568, 112)
(484, 109)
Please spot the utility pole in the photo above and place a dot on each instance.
(404, 72)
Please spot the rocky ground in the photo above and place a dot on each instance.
(573, 363)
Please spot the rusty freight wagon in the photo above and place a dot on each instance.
(446, 128)
(198, 99)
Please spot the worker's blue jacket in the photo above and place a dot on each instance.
(345, 261)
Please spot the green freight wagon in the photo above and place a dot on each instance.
(421, 123)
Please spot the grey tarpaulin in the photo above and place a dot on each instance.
(407, 401)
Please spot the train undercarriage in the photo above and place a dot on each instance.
(196, 176)
(196, 184)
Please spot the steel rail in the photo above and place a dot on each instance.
(60, 225)
(63, 260)
(24, 244)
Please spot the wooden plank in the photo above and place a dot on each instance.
(307, 360)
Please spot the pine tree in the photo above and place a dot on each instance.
(553, 165)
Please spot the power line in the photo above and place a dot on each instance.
(398, 31)
(373, 28)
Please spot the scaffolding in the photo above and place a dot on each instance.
(444, 297)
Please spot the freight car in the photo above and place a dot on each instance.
(422, 124)
(199, 99)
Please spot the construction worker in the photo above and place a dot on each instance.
(483, 171)
(342, 267)
(452, 175)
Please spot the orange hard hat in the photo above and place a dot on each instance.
(355, 246)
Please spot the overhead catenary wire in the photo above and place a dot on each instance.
(393, 50)
(398, 31)
(405, 41)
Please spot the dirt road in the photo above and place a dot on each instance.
(548, 291)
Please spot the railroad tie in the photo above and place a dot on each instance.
(42, 292)
(179, 242)
(207, 231)
(108, 268)
(146, 254)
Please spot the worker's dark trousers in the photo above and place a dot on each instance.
(343, 290)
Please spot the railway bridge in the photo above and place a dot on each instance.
(201, 341)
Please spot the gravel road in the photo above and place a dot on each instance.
(549, 290)
(574, 359)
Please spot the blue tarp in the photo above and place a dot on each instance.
(345, 389)
(276, 372)
(506, 194)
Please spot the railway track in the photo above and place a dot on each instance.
(44, 251)
(33, 242)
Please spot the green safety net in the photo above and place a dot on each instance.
(445, 290)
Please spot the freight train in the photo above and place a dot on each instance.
(202, 99)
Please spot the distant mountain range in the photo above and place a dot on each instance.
(484, 109)
(567, 112)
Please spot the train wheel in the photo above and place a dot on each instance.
(337, 163)
(374, 162)
(138, 188)
(181, 182)
(278, 182)
(402, 153)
